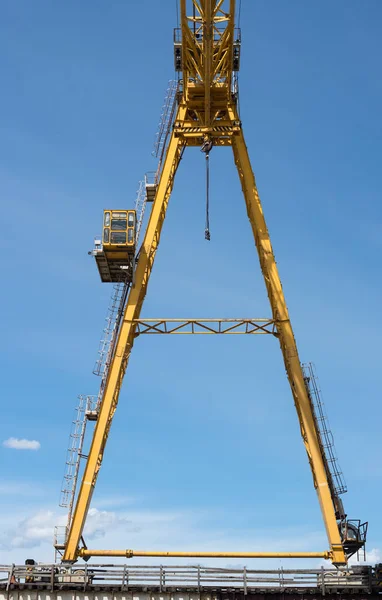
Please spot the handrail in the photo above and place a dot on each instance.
(198, 577)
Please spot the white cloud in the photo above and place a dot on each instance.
(29, 532)
(156, 529)
(38, 529)
(22, 444)
(99, 522)
(373, 557)
(32, 535)
(32, 531)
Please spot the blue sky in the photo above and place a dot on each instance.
(205, 451)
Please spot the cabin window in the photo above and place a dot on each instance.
(106, 235)
(131, 220)
(130, 236)
(107, 219)
(118, 237)
(119, 224)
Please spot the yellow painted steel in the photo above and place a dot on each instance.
(128, 231)
(124, 344)
(287, 344)
(207, 110)
(207, 49)
(85, 553)
(205, 326)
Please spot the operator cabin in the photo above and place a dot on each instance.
(115, 252)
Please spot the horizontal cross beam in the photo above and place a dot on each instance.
(86, 553)
(205, 326)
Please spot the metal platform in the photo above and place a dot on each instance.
(113, 270)
(165, 582)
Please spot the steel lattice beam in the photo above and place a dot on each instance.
(205, 326)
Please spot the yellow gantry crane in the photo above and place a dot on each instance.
(207, 59)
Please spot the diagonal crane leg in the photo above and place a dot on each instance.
(124, 344)
(287, 343)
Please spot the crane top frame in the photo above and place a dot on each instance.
(207, 57)
(207, 48)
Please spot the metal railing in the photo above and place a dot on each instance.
(166, 119)
(86, 405)
(325, 433)
(197, 577)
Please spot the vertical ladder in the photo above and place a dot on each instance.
(88, 406)
(118, 298)
(109, 329)
(85, 410)
(140, 206)
(323, 427)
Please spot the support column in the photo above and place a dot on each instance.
(288, 344)
(124, 343)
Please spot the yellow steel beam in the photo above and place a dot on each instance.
(207, 51)
(86, 553)
(205, 326)
(287, 344)
(208, 41)
(124, 344)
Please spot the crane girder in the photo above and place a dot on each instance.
(207, 38)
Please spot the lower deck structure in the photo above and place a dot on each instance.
(164, 582)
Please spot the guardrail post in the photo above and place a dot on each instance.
(322, 581)
(370, 579)
(124, 577)
(52, 578)
(86, 576)
(160, 577)
(10, 577)
(245, 580)
(199, 578)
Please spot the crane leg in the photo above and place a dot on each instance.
(288, 344)
(124, 344)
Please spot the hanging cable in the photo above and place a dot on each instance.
(206, 148)
(239, 14)
(207, 234)
(177, 13)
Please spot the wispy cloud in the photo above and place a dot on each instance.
(159, 530)
(373, 557)
(38, 528)
(32, 531)
(99, 522)
(21, 444)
